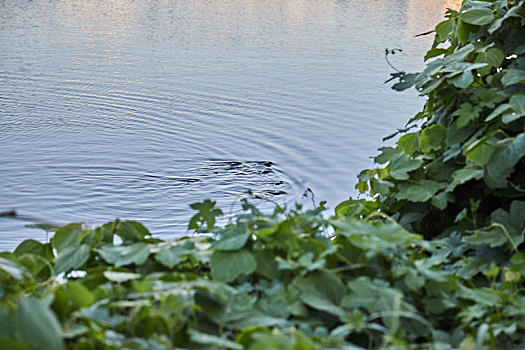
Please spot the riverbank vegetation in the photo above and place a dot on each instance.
(433, 259)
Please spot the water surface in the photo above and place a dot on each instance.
(134, 109)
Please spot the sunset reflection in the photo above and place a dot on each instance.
(246, 22)
(423, 16)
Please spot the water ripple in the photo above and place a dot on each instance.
(137, 108)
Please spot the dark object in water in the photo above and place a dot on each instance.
(9, 213)
(275, 192)
(189, 180)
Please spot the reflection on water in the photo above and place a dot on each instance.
(136, 108)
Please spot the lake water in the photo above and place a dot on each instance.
(136, 108)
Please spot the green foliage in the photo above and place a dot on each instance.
(284, 280)
(433, 259)
(471, 140)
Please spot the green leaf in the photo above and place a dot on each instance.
(213, 340)
(136, 253)
(67, 236)
(413, 280)
(498, 111)
(266, 264)
(387, 154)
(430, 85)
(206, 215)
(493, 57)
(463, 175)
(268, 341)
(466, 113)
(37, 325)
(16, 271)
(480, 151)
(459, 55)
(513, 76)
(227, 266)
(12, 344)
(131, 231)
(463, 31)
(513, 222)
(71, 258)
(418, 192)
(510, 116)
(37, 265)
(374, 238)
(381, 186)
(401, 165)
(322, 291)
(119, 277)
(175, 254)
(463, 80)
(170, 257)
(405, 81)
(77, 294)
(494, 237)
(101, 315)
(498, 22)
(440, 200)
(478, 16)
(432, 138)
(517, 102)
(30, 246)
(490, 98)
(409, 143)
(374, 295)
(445, 29)
(231, 240)
(502, 162)
(485, 296)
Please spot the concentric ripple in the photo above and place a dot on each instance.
(135, 109)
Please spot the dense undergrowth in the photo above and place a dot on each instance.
(434, 259)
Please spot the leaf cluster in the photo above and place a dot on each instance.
(463, 166)
(286, 280)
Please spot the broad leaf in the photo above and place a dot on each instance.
(119, 276)
(409, 142)
(16, 271)
(503, 160)
(227, 266)
(132, 231)
(420, 191)
(213, 340)
(71, 258)
(513, 76)
(67, 236)
(231, 240)
(322, 290)
(432, 138)
(493, 57)
(463, 175)
(401, 165)
(478, 16)
(135, 253)
(466, 114)
(37, 325)
(498, 111)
